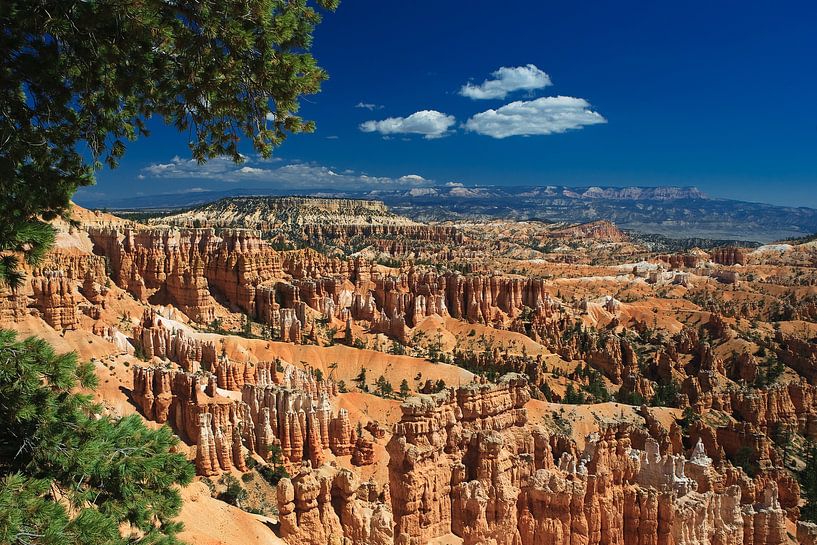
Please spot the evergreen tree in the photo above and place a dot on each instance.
(69, 474)
(572, 397)
(808, 483)
(404, 388)
(81, 79)
(383, 387)
(360, 379)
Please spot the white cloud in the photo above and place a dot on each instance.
(412, 179)
(506, 80)
(429, 123)
(215, 168)
(300, 176)
(368, 106)
(250, 170)
(546, 115)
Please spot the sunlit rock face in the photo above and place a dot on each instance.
(467, 462)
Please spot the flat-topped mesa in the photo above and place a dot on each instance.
(317, 221)
(599, 230)
(467, 462)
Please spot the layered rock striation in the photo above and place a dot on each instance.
(467, 462)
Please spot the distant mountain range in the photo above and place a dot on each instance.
(679, 212)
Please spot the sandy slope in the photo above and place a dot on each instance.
(208, 521)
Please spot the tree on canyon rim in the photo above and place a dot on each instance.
(77, 81)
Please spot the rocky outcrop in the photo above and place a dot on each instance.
(56, 299)
(596, 230)
(188, 267)
(363, 454)
(729, 255)
(324, 507)
(341, 436)
(806, 533)
(232, 375)
(293, 414)
(157, 337)
(184, 267)
(467, 462)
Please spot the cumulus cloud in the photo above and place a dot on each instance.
(368, 106)
(546, 115)
(412, 179)
(300, 176)
(218, 167)
(506, 80)
(429, 123)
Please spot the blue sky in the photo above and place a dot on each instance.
(720, 95)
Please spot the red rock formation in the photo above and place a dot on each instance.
(157, 337)
(207, 462)
(806, 533)
(323, 507)
(467, 462)
(363, 454)
(341, 435)
(729, 255)
(56, 299)
(269, 414)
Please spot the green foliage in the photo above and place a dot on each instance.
(404, 388)
(596, 387)
(546, 391)
(629, 398)
(31, 237)
(360, 380)
(782, 437)
(768, 374)
(745, 458)
(234, 493)
(688, 418)
(110, 471)
(572, 397)
(274, 470)
(81, 79)
(808, 483)
(383, 387)
(666, 395)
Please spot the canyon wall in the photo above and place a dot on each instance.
(467, 462)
